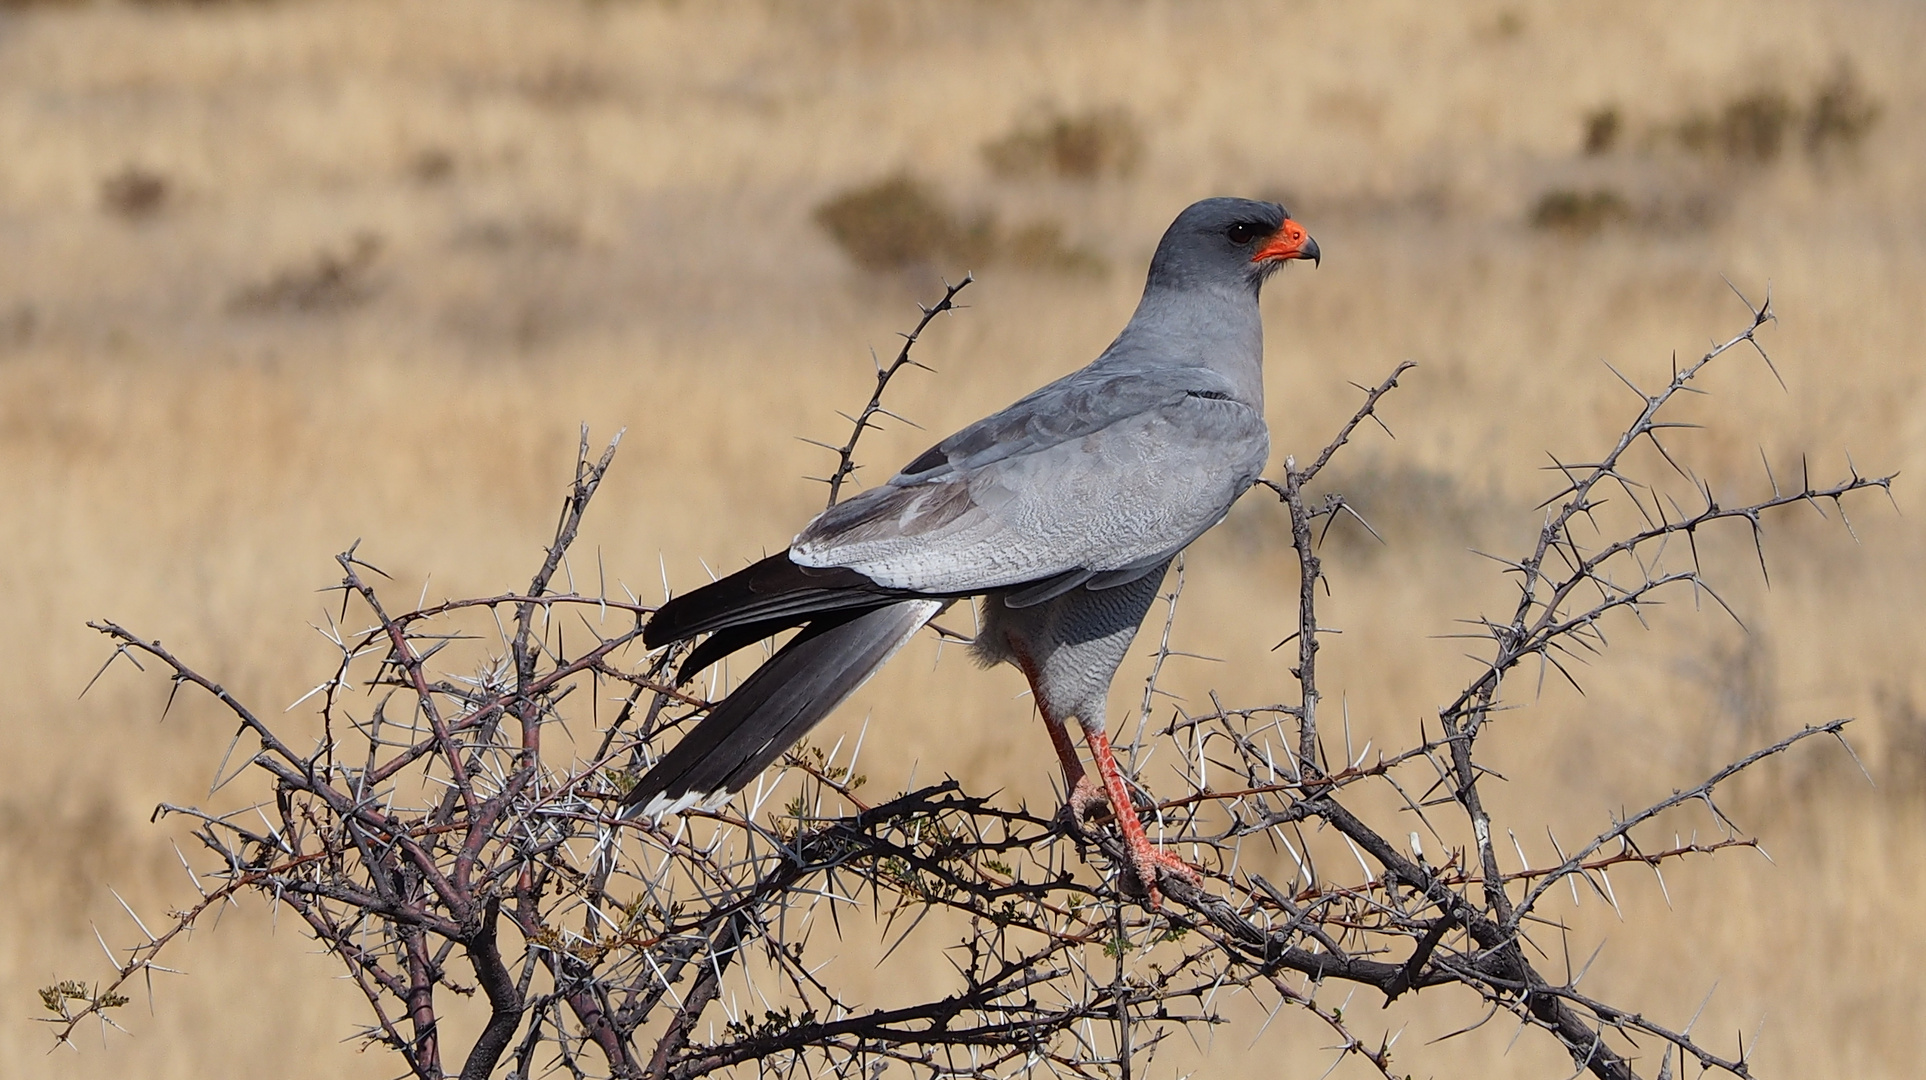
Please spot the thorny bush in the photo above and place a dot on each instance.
(440, 817)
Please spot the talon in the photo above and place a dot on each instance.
(1087, 804)
(1148, 865)
(1152, 865)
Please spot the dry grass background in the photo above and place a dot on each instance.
(274, 276)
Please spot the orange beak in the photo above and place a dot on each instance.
(1290, 242)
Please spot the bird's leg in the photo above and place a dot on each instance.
(1083, 799)
(1146, 862)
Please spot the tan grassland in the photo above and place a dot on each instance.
(601, 213)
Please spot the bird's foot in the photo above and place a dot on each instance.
(1087, 804)
(1150, 865)
(1145, 864)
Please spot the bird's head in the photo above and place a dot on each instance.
(1224, 241)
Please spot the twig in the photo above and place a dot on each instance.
(846, 453)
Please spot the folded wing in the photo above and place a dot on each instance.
(1100, 477)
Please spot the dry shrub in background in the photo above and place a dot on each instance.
(440, 820)
(1081, 147)
(330, 281)
(900, 223)
(1602, 127)
(1755, 126)
(133, 193)
(1581, 212)
(1748, 132)
(1841, 113)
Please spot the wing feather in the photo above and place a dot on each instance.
(1109, 476)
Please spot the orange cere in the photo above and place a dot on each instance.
(1287, 243)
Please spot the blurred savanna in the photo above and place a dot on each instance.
(279, 276)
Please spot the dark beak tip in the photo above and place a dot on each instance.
(1310, 251)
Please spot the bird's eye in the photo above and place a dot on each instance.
(1242, 233)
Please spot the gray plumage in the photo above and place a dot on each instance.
(1068, 648)
(1063, 510)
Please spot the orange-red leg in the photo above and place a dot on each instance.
(1084, 800)
(1066, 752)
(1081, 797)
(1145, 859)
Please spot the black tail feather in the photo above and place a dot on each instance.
(775, 593)
(785, 697)
(724, 642)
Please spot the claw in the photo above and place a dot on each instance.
(1150, 864)
(1087, 803)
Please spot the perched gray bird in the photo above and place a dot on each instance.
(1062, 512)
